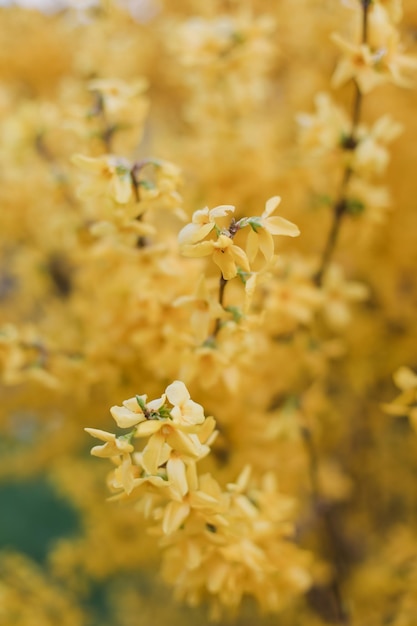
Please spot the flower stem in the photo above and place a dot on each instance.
(340, 205)
(222, 287)
(322, 511)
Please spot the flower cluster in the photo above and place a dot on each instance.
(196, 238)
(178, 435)
(221, 544)
(378, 59)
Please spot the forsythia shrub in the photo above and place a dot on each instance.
(208, 260)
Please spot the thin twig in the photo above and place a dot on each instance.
(222, 286)
(340, 205)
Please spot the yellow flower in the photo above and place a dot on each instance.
(112, 176)
(117, 94)
(113, 445)
(371, 156)
(132, 413)
(262, 229)
(322, 130)
(226, 255)
(185, 410)
(177, 436)
(126, 477)
(205, 309)
(359, 63)
(371, 66)
(203, 222)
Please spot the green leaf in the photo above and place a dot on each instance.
(147, 184)
(255, 223)
(210, 342)
(141, 403)
(354, 206)
(122, 171)
(243, 275)
(128, 436)
(236, 313)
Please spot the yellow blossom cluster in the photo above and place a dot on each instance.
(217, 543)
(144, 247)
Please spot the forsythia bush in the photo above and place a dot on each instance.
(208, 252)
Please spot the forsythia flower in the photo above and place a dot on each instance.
(178, 436)
(371, 156)
(119, 95)
(112, 176)
(135, 410)
(323, 129)
(226, 255)
(262, 229)
(377, 61)
(205, 309)
(359, 63)
(184, 410)
(203, 222)
(113, 445)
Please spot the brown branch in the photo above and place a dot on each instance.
(222, 287)
(322, 511)
(340, 205)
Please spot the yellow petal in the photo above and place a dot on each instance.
(240, 258)
(182, 443)
(155, 405)
(89, 164)
(124, 417)
(192, 233)
(222, 210)
(271, 205)
(103, 435)
(224, 260)
(152, 453)
(175, 515)
(125, 474)
(280, 226)
(122, 186)
(217, 576)
(252, 245)
(266, 243)
(200, 249)
(177, 393)
(177, 475)
(148, 427)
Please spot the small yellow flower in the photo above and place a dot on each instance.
(131, 413)
(163, 432)
(322, 129)
(113, 446)
(371, 155)
(371, 66)
(117, 94)
(264, 227)
(205, 308)
(226, 255)
(185, 410)
(203, 222)
(359, 63)
(111, 176)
